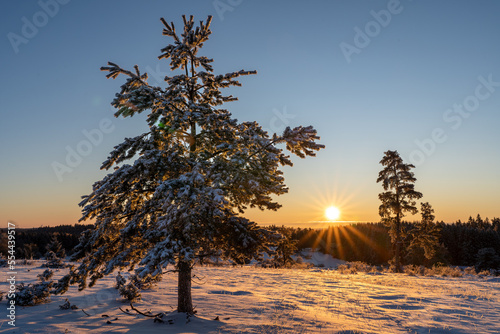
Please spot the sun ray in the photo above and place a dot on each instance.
(318, 240)
(364, 238)
(345, 233)
(339, 247)
(332, 193)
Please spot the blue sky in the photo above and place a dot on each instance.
(400, 86)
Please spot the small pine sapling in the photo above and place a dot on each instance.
(37, 293)
(55, 254)
(67, 305)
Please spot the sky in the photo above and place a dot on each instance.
(419, 77)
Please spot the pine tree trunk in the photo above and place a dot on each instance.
(398, 244)
(184, 300)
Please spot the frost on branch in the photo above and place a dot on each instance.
(177, 193)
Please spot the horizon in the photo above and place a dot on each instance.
(369, 76)
(312, 225)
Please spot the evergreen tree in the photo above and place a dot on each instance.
(195, 173)
(399, 197)
(487, 259)
(425, 235)
(285, 249)
(55, 253)
(29, 251)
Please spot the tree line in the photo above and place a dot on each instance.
(458, 244)
(31, 243)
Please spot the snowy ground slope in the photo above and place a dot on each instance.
(257, 300)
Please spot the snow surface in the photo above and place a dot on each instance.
(319, 259)
(259, 300)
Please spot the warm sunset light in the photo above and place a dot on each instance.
(332, 213)
(341, 176)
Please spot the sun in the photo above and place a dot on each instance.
(332, 213)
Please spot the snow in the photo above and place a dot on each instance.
(260, 300)
(319, 259)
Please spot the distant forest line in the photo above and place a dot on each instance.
(460, 242)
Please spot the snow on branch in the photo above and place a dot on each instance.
(301, 141)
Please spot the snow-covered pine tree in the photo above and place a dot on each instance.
(399, 197)
(55, 253)
(35, 293)
(195, 173)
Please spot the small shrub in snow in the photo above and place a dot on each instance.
(345, 269)
(55, 254)
(67, 305)
(470, 271)
(355, 267)
(33, 294)
(53, 261)
(362, 267)
(130, 292)
(391, 268)
(302, 265)
(484, 273)
(446, 271)
(413, 270)
(455, 272)
(46, 275)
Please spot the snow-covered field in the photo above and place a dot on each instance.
(257, 300)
